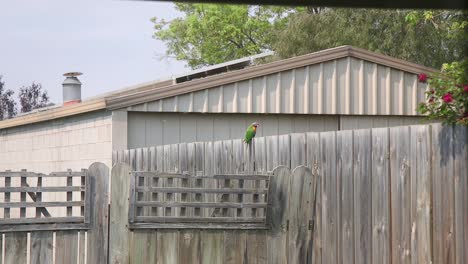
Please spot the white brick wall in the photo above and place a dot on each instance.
(71, 143)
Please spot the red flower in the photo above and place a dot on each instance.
(465, 88)
(447, 98)
(431, 100)
(432, 91)
(422, 77)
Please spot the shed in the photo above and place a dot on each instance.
(334, 89)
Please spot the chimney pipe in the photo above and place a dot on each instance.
(71, 88)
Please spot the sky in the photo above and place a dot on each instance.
(109, 41)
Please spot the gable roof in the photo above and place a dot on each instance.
(116, 102)
(156, 90)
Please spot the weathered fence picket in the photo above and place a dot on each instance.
(388, 195)
(29, 236)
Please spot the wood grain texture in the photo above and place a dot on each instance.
(41, 247)
(278, 200)
(143, 248)
(401, 194)
(443, 193)
(313, 162)
(67, 251)
(460, 150)
(212, 246)
(421, 193)
(299, 214)
(344, 148)
(330, 197)
(380, 196)
(119, 235)
(362, 197)
(97, 234)
(16, 248)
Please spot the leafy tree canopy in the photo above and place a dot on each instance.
(33, 97)
(386, 31)
(7, 103)
(210, 34)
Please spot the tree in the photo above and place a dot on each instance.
(211, 33)
(7, 103)
(32, 97)
(383, 31)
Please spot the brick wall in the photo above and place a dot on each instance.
(68, 143)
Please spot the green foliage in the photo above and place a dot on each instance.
(408, 35)
(7, 103)
(447, 97)
(33, 97)
(214, 33)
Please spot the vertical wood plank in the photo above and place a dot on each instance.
(345, 157)
(212, 248)
(421, 250)
(16, 248)
(189, 240)
(235, 247)
(284, 157)
(362, 197)
(98, 174)
(41, 247)
(299, 213)
(380, 196)
(401, 194)
(167, 249)
(460, 138)
(272, 150)
(67, 251)
(329, 197)
(313, 161)
(298, 150)
(82, 247)
(119, 235)
(143, 247)
(278, 195)
(443, 193)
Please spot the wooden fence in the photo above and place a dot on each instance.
(387, 195)
(37, 234)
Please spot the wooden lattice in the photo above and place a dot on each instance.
(45, 202)
(167, 200)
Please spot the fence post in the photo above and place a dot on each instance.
(119, 234)
(278, 201)
(98, 176)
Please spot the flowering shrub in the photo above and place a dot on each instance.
(447, 96)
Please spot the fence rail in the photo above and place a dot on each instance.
(33, 228)
(386, 195)
(171, 200)
(33, 209)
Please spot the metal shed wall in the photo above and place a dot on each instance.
(346, 86)
(153, 129)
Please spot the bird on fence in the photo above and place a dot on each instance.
(250, 133)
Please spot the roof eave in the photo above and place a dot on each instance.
(59, 112)
(118, 102)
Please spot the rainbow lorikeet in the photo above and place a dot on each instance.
(250, 133)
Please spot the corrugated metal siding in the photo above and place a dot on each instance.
(152, 129)
(363, 122)
(346, 86)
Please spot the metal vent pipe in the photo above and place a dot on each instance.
(71, 88)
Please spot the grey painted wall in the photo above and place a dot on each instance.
(153, 129)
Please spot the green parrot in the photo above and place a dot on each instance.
(250, 133)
